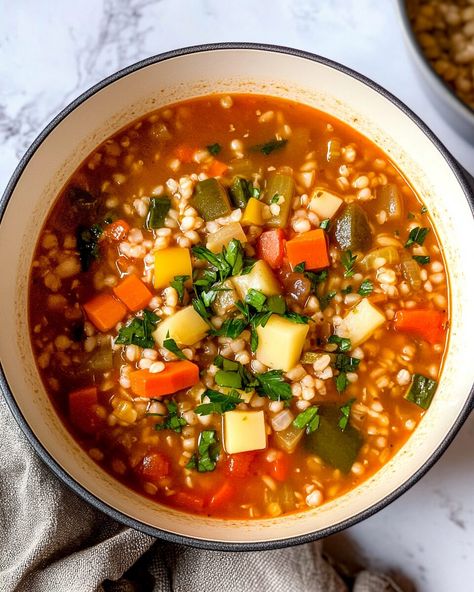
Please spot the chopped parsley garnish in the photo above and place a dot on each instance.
(88, 244)
(272, 385)
(171, 345)
(366, 288)
(178, 285)
(139, 330)
(214, 149)
(343, 343)
(422, 259)
(218, 402)
(417, 235)
(268, 147)
(228, 378)
(295, 317)
(348, 261)
(324, 224)
(276, 304)
(173, 421)
(228, 262)
(346, 290)
(308, 420)
(344, 364)
(341, 382)
(326, 299)
(256, 299)
(300, 267)
(275, 199)
(345, 414)
(205, 459)
(230, 328)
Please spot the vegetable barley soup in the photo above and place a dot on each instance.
(239, 307)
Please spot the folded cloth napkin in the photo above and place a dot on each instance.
(52, 541)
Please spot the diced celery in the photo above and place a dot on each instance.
(211, 200)
(281, 184)
(389, 200)
(240, 191)
(351, 229)
(287, 440)
(411, 271)
(389, 254)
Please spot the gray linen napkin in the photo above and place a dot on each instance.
(52, 541)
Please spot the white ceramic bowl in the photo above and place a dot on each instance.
(182, 74)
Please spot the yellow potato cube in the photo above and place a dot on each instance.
(170, 263)
(244, 431)
(186, 327)
(280, 343)
(360, 322)
(224, 235)
(253, 213)
(259, 278)
(324, 203)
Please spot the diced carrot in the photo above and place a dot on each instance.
(175, 376)
(223, 495)
(238, 465)
(82, 410)
(271, 247)
(185, 153)
(133, 293)
(188, 500)
(426, 324)
(117, 230)
(280, 466)
(155, 466)
(105, 311)
(309, 247)
(217, 168)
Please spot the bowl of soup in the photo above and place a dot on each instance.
(238, 296)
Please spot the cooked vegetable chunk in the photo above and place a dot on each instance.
(389, 200)
(169, 263)
(175, 376)
(211, 200)
(324, 203)
(361, 322)
(105, 311)
(224, 235)
(259, 278)
(225, 299)
(133, 293)
(421, 391)
(186, 327)
(351, 229)
(253, 214)
(336, 447)
(244, 431)
(283, 185)
(310, 248)
(280, 343)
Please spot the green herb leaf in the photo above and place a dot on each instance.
(345, 363)
(309, 419)
(234, 255)
(200, 308)
(295, 317)
(157, 212)
(139, 330)
(88, 244)
(230, 328)
(272, 385)
(228, 379)
(422, 259)
(300, 267)
(348, 261)
(214, 149)
(268, 147)
(346, 290)
(219, 402)
(173, 421)
(316, 278)
(275, 199)
(256, 299)
(417, 235)
(171, 345)
(178, 285)
(366, 288)
(324, 224)
(208, 450)
(341, 382)
(326, 299)
(276, 304)
(345, 413)
(343, 343)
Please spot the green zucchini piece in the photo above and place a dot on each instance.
(421, 391)
(335, 447)
(211, 200)
(351, 229)
(284, 185)
(240, 191)
(389, 200)
(228, 378)
(157, 212)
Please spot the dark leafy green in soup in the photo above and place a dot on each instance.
(239, 307)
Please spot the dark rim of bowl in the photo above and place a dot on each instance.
(464, 109)
(136, 524)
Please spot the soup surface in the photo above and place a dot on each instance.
(239, 307)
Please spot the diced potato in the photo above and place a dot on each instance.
(186, 327)
(244, 431)
(259, 278)
(280, 343)
(253, 213)
(225, 298)
(224, 235)
(170, 263)
(324, 203)
(361, 322)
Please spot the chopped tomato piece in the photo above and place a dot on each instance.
(238, 465)
(175, 376)
(185, 153)
(279, 467)
(133, 293)
(189, 501)
(223, 495)
(82, 410)
(117, 230)
(155, 466)
(270, 247)
(309, 247)
(217, 168)
(105, 311)
(429, 325)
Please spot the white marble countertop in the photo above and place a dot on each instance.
(51, 51)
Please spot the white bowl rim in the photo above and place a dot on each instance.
(74, 485)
